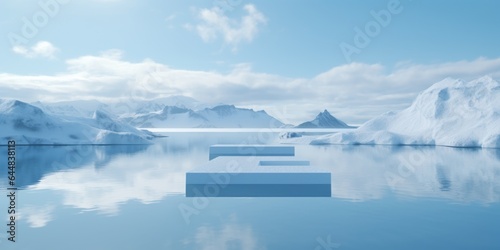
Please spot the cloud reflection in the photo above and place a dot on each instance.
(370, 172)
(37, 217)
(106, 188)
(229, 237)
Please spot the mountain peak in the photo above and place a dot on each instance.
(324, 113)
(324, 120)
(101, 115)
(16, 106)
(174, 110)
(224, 106)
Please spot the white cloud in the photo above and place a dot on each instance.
(353, 92)
(40, 49)
(170, 21)
(215, 23)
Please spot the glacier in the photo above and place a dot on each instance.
(30, 125)
(449, 113)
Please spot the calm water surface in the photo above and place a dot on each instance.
(132, 197)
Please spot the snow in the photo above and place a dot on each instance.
(222, 116)
(28, 124)
(449, 113)
(324, 120)
(79, 108)
(168, 112)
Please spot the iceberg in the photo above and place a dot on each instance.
(449, 113)
(324, 120)
(30, 125)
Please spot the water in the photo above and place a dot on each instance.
(132, 197)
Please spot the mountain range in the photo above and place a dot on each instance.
(94, 122)
(180, 112)
(222, 116)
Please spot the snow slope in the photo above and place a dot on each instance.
(168, 112)
(79, 108)
(169, 116)
(28, 124)
(324, 120)
(229, 116)
(222, 116)
(450, 113)
(128, 108)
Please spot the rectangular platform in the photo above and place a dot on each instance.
(250, 150)
(233, 176)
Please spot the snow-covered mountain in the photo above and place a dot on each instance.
(450, 112)
(229, 116)
(127, 108)
(222, 116)
(79, 108)
(28, 124)
(168, 112)
(86, 108)
(168, 116)
(324, 120)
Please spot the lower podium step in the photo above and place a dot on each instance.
(258, 190)
(236, 176)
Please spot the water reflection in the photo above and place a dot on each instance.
(442, 178)
(228, 237)
(370, 172)
(37, 216)
(35, 162)
(105, 178)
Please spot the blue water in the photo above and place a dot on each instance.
(132, 197)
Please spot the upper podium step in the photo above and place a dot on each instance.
(250, 150)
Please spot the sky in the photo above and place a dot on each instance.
(358, 59)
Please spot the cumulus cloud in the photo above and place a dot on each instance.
(40, 49)
(214, 24)
(353, 92)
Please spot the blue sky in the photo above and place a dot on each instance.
(287, 57)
